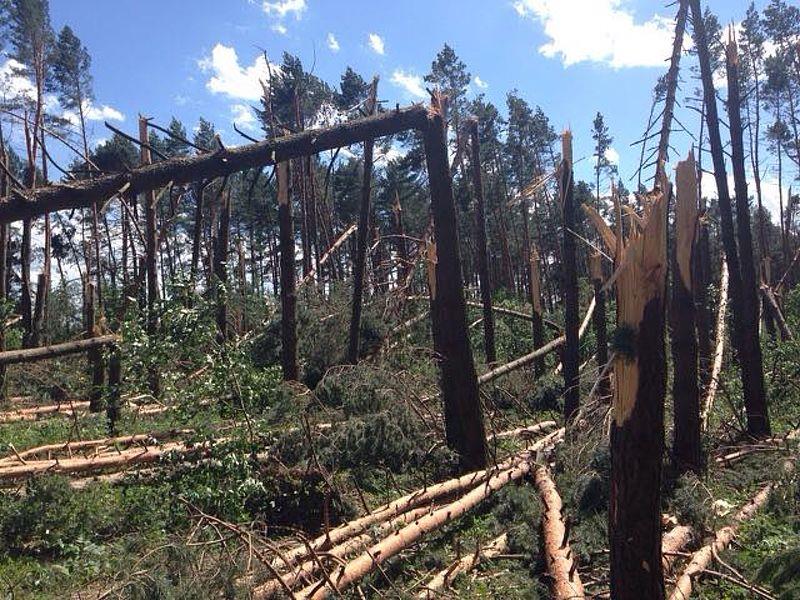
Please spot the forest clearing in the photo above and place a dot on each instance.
(358, 348)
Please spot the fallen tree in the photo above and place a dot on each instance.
(10, 357)
(354, 570)
(703, 557)
(719, 350)
(559, 558)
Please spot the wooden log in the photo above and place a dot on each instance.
(10, 357)
(687, 446)
(675, 540)
(637, 431)
(379, 553)
(481, 249)
(464, 428)
(719, 348)
(79, 194)
(445, 577)
(565, 581)
(524, 431)
(571, 355)
(703, 557)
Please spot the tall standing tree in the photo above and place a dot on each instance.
(602, 144)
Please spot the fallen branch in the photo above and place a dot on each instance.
(561, 565)
(33, 413)
(523, 431)
(703, 557)
(10, 357)
(445, 577)
(719, 351)
(325, 257)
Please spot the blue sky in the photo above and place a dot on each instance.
(571, 57)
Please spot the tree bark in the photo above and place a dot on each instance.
(481, 248)
(599, 321)
(537, 316)
(571, 353)
(750, 350)
(745, 341)
(288, 296)
(686, 446)
(94, 353)
(221, 267)
(359, 267)
(462, 407)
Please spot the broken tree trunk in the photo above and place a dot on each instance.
(674, 541)
(445, 577)
(599, 320)
(462, 406)
(481, 249)
(558, 556)
(327, 256)
(747, 344)
(777, 313)
(10, 357)
(637, 429)
(151, 250)
(719, 348)
(703, 557)
(687, 445)
(750, 353)
(94, 354)
(571, 354)
(359, 267)
(288, 294)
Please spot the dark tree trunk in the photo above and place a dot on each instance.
(701, 275)
(537, 313)
(637, 428)
(3, 267)
(288, 283)
(197, 234)
(462, 407)
(151, 251)
(402, 246)
(25, 305)
(686, 446)
(359, 267)
(94, 355)
(745, 341)
(750, 351)
(114, 387)
(571, 353)
(481, 248)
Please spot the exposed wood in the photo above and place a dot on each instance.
(84, 193)
(705, 555)
(481, 249)
(464, 426)
(719, 347)
(328, 254)
(637, 432)
(10, 357)
(372, 558)
(445, 577)
(675, 540)
(565, 582)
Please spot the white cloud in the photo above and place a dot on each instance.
(230, 78)
(280, 28)
(480, 83)
(102, 113)
(284, 7)
(12, 84)
(243, 115)
(411, 83)
(333, 43)
(377, 44)
(612, 155)
(599, 31)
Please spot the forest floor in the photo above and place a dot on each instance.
(254, 465)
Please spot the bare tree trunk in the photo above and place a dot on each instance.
(701, 275)
(402, 245)
(571, 352)
(151, 266)
(288, 298)
(747, 344)
(481, 249)
(462, 407)
(687, 446)
(599, 321)
(750, 351)
(4, 185)
(359, 268)
(221, 267)
(94, 354)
